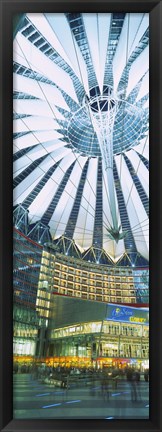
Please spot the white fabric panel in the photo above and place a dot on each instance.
(120, 57)
(54, 157)
(104, 27)
(18, 170)
(146, 104)
(66, 162)
(61, 30)
(74, 57)
(27, 85)
(44, 198)
(18, 55)
(140, 232)
(43, 91)
(44, 25)
(36, 153)
(140, 168)
(29, 140)
(135, 209)
(91, 28)
(36, 174)
(62, 212)
(36, 108)
(83, 234)
(138, 69)
(38, 62)
(108, 244)
(143, 147)
(60, 153)
(119, 249)
(51, 146)
(144, 89)
(23, 162)
(129, 39)
(19, 194)
(34, 123)
(140, 23)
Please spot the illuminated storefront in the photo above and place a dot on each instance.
(119, 334)
(81, 185)
(43, 280)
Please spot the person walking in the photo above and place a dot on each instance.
(137, 379)
(131, 378)
(105, 386)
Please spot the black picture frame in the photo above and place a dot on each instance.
(8, 10)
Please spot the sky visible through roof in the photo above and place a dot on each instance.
(80, 128)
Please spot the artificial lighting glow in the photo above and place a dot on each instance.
(71, 145)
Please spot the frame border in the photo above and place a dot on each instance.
(9, 9)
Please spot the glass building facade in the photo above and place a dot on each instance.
(42, 278)
(81, 191)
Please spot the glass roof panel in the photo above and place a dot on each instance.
(81, 126)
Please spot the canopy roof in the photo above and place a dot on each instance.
(64, 65)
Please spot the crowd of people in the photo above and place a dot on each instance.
(107, 376)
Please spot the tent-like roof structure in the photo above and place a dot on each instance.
(81, 144)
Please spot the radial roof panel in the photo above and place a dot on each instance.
(49, 29)
(139, 23)
(37, 61)
(58, 22)
(138, 69)
(81, 129)
(92, 28)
